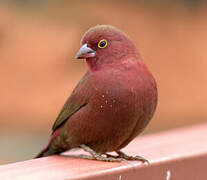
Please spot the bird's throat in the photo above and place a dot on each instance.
(92, 63)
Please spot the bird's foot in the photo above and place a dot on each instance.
(111, 158)
(135, 158)
(98, 156)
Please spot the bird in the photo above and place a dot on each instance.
(112, 103)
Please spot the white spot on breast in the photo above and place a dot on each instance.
(103, 95)
(106, 101)
(101, 106)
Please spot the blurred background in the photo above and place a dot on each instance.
(38, 41)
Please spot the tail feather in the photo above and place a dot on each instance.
(47, 151)
(42, 153)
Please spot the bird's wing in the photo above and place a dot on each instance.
(78, 99)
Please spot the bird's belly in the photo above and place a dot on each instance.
(112, 117)
(103, 124)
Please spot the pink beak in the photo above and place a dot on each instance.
(85, 52)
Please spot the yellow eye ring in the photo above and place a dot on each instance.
(102, 43)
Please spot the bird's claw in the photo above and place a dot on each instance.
(98, 156)
(110, 158)
(135, 158)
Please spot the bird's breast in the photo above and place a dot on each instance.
(124, 92)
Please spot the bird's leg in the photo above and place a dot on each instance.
(98, 156)
(136, 158)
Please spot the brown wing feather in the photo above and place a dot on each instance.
(78, 99)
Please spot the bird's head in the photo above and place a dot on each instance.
(104, 44)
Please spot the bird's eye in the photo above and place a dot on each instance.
(102, 43)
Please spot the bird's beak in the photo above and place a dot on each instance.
(85, 52)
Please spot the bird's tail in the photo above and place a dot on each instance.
(43, 153)
(48, 150)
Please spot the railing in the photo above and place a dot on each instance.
(174, 155)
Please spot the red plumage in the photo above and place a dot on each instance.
(112, 103)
